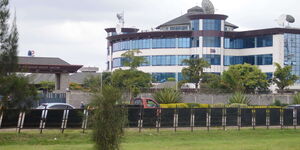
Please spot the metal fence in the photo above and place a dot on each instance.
(155, 118)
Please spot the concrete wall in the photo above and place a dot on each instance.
(76, 97)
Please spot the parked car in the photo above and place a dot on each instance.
(55, 106)
(145, 102)
(295, 106)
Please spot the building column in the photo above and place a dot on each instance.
(61, 82)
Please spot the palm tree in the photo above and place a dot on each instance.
(194, 72)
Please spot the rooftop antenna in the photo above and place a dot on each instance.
(284, 20)
(208, 7)
(120, 23)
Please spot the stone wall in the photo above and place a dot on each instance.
(76, 97)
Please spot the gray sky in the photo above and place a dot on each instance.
(74, 29)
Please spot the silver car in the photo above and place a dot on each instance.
(55, 106)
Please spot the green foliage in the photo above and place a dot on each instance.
(167, 95)
(239, 98)
(94, 83)
(132, 80)
(16, 92)
(131, 60)
(171, 79)
(244, 78)
(75, 86)
(296, 98)
(47, 86)
(194, 72)
(108, 118)
(283, 77)
(278, 103)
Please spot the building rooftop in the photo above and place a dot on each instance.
(184, 19)
(42, 61)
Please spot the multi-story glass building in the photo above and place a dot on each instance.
(198, 34)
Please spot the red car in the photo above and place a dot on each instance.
(146, 102)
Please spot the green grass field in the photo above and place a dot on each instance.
(246, 139)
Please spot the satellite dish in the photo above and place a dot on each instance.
(284, 20)
(208, 7)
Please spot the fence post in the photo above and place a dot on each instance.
(253, 118)
(158, 119)
(295, 118)
(1, 118)
(43, 119)
(281, 118)
(192, 122)
(239, 120)
(224, 116)
(64, 120)
(175, 122)
(208, 117)
(140, 122)
(268, 117)
(20, 121)
(85, 119)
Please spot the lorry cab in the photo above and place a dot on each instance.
(145, 102)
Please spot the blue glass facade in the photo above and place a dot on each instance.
(212, 24)
(179, 28)
(195, 25)
(252, 59)
(250, 42)
(292, 52)
(165, 60)
(152, 43)
(211, 41)
(212, 59)
(162, 77)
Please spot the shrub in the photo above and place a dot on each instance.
(167, 96)
(171, 79)
(296, 98)
(239, 98)
(108, 119)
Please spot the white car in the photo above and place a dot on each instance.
(55, 106)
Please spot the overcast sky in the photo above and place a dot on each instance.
(74, 29)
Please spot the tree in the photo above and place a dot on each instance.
(283, 77)
(95, 82)
(194, 72)
(167, 96)
(131, 80)
(15, 89)
(244, 78)
(132, 61)
(108, 118)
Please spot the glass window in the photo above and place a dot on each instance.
(212, 24)
(252, 59)
(212, 59)
(249, 42)
(265, 41)
(211, 41)
(162, 77)
(184, 42)
(195, 25)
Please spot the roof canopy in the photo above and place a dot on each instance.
(45, 65)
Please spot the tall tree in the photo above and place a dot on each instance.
(131, 60)
(194, 72)
(8, 41)
(14, 89)
(245, 78)
(283, 77)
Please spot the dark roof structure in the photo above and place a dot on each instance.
(45, 65)
(184, 19)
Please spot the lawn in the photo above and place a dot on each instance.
(246, 139)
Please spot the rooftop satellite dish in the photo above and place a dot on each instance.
(208, 7)
(284, 20)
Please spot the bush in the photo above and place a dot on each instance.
(108, 119)
(167, 96)
(296, 98)
(239, 98)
